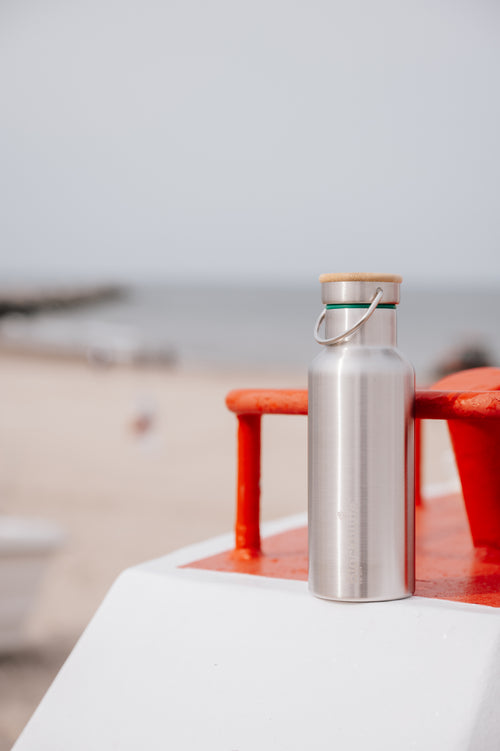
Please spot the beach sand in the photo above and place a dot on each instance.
(131, 464)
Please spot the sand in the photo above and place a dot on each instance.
(131, 464)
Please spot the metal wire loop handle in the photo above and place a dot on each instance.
(341, 337)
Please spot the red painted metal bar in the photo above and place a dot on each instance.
(476, 444)
(457, 405)
(418, 462)
(268, 401)
(429, 404)
(248, 491)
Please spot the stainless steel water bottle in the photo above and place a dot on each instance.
(361, 457)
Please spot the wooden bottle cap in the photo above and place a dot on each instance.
(357, 277)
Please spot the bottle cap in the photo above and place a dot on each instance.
(357, 277)
(358, 288)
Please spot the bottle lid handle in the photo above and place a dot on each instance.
(342, 337)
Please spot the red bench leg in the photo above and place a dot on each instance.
(476, 443)
(248, 490)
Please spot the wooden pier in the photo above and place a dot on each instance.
(31, 300)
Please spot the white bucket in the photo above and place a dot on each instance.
(25, 545)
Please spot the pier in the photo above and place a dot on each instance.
(31, 300)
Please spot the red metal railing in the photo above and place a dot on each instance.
(469, 408)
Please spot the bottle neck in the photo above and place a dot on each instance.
(378, 331)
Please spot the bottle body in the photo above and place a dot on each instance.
(361, 456)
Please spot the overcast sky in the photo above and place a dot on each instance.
(264, 138)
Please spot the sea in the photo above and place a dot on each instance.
(254, 326)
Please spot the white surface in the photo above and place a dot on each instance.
(189, 659)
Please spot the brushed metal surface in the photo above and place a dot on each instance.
(361, 505)
(358, 292)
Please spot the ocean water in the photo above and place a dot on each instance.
(252, 326)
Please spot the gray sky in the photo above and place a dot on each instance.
(268, 138)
